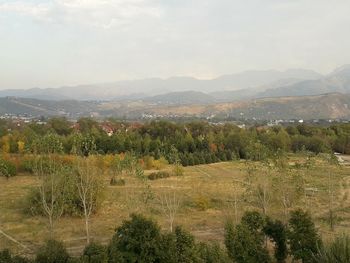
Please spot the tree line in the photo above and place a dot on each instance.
(257, 238)
(195, 142)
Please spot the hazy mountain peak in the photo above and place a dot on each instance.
(345, 69)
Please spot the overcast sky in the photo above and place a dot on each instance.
(49, 43)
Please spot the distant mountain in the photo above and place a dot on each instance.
(327, 106)
(35, 107)
(338, 81)
(181, 97)
(155, 86)
(259, 79)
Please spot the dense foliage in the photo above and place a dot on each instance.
(193, 142)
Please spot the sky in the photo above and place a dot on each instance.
(51, 43)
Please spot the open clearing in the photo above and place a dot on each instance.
(206, 194)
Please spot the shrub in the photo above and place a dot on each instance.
(178, 170)
(201, 202)
(27, 165)
(160, 163)
(5, 256)
(95, 253)
(158, 175)
(52, 252)
(7, 168)
(148, 162)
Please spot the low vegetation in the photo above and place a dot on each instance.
(256, 209)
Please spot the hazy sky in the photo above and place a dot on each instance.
(49, 43)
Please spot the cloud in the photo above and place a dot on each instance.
(98, 13)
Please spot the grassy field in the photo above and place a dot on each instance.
(206, 194)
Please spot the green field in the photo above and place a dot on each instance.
(206, 194)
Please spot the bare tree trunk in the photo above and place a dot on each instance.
(170, 205)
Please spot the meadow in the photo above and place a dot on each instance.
(205, 196)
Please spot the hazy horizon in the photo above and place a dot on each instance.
(49, 44)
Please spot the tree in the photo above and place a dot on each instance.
(212, 253)
(95, 253)
(83, 144)
(52, 252)
(50, 175)
(170, 206)
(244, 245)
(136, 240)
(185, 246)
(60, 125)
(303, 237)
(89, 187)
(277, 232)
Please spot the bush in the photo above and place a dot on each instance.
(6, 257)
(178, 170)
(201, 202)
(52, 252)
(158, 175)
(95, 253)
(7, 168)
(27, 166)
(160, 163)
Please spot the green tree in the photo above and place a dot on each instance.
(94, 253)
(60, 125)
(136, 240)
(277, 232)
(244, 245)
(303, 237)
(212, 253)
(52, 252)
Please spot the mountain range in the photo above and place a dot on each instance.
(326, 106)
(249, 81)
(269, 94)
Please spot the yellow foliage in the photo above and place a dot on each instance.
(20, 145)
(5, 144)
(160, 163)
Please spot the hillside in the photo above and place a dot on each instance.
(326, 106)
(35, 107)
